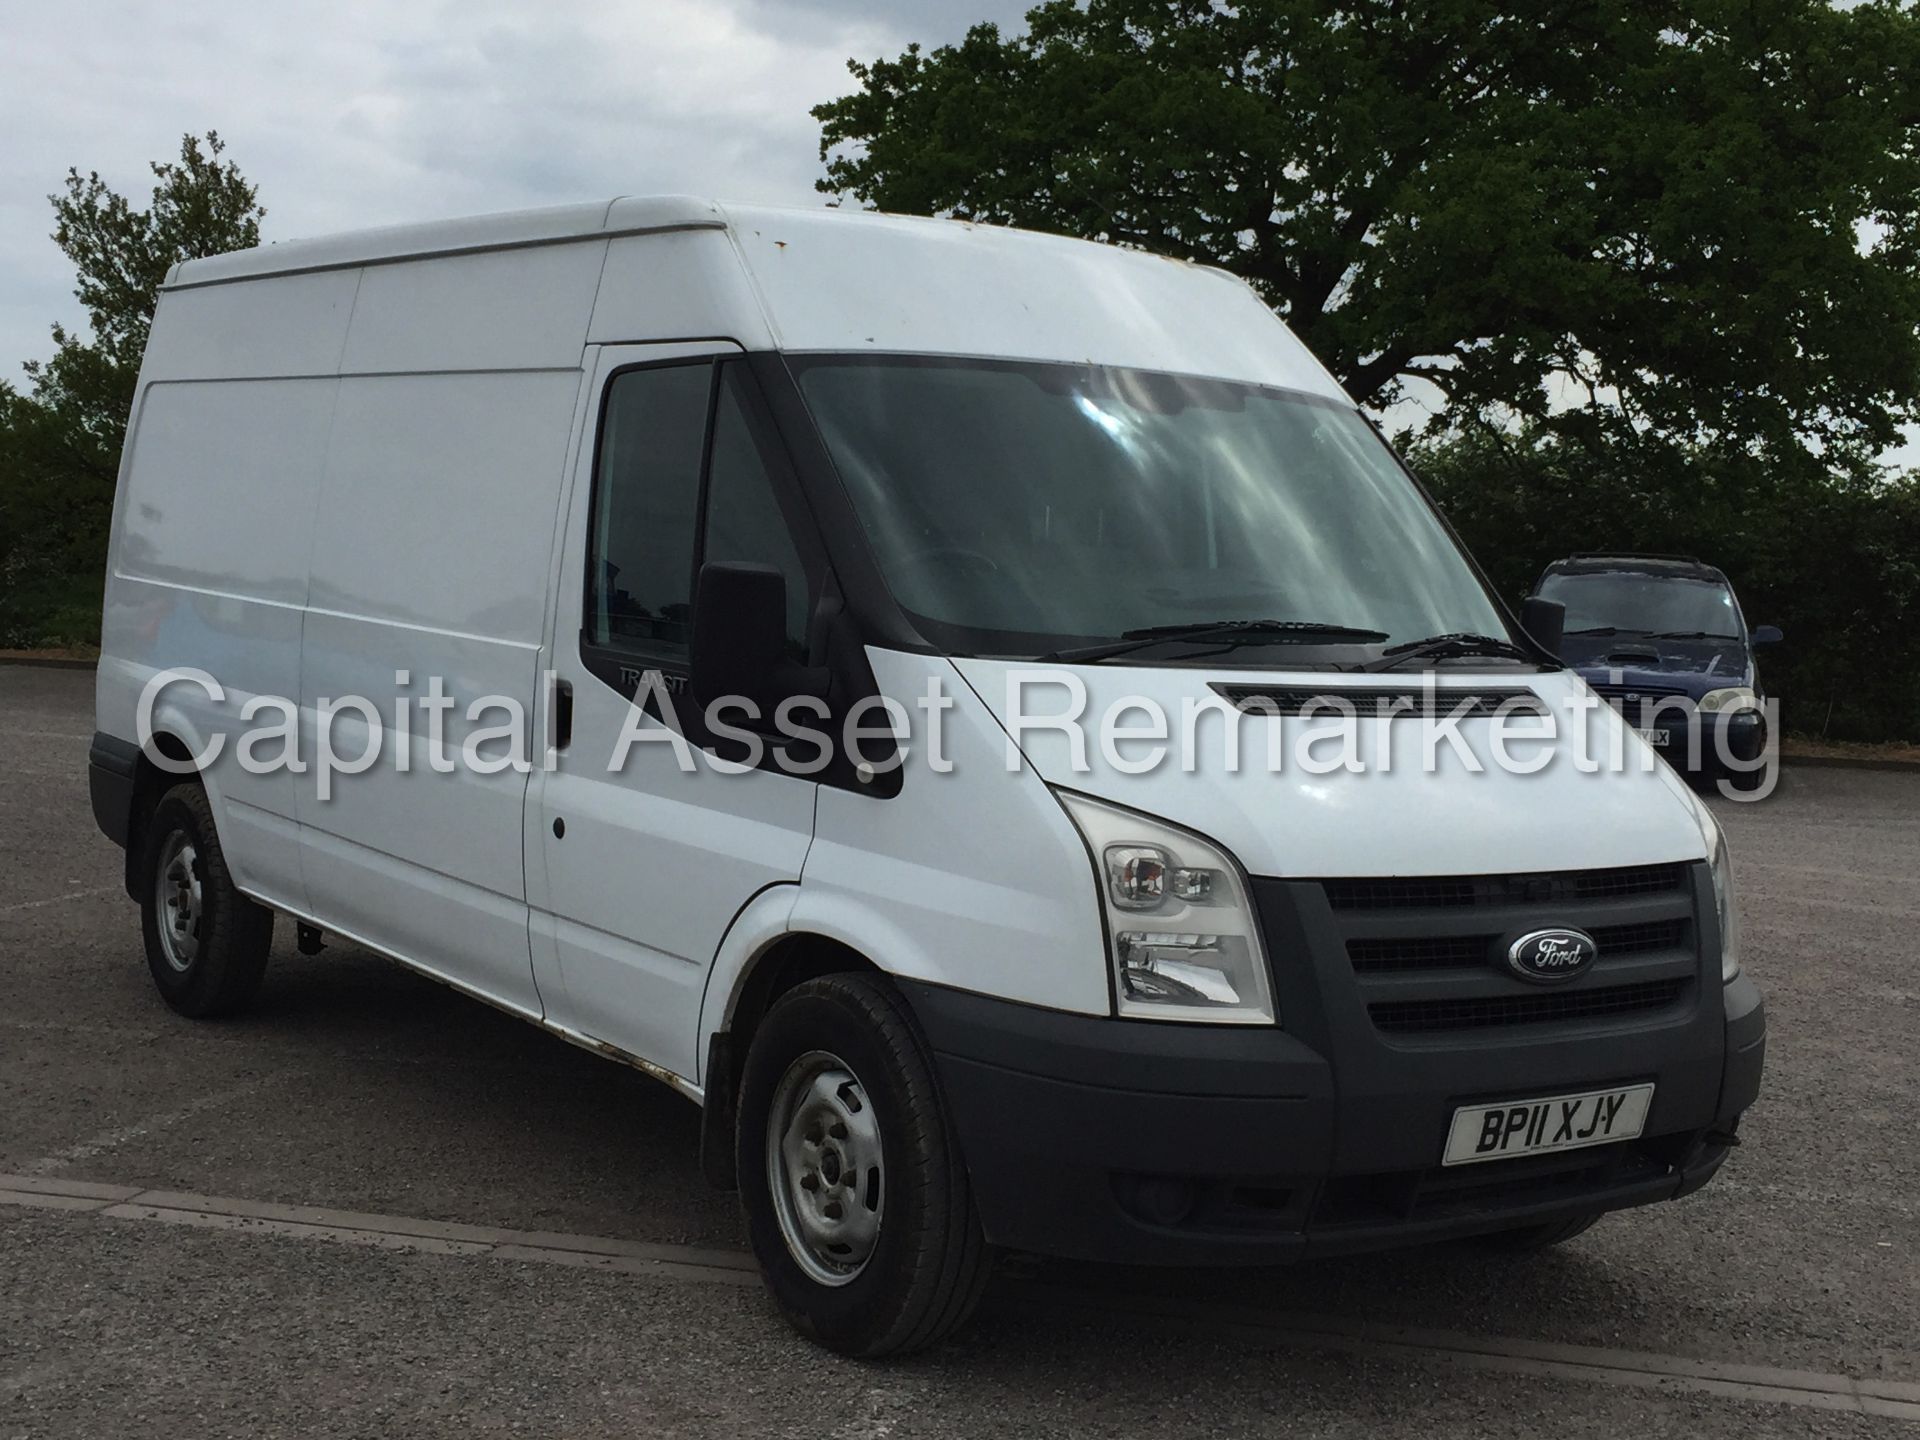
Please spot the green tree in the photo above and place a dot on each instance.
(1693, 218)
(60, 441)
(201, 206)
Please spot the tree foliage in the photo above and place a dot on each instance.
(1660, 258)
(60, 441)
(1698, 219)
(201, 205)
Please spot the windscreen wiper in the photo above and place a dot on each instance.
(1228, 632)
(1689, 635)
(1444, 647)
(1607, 630)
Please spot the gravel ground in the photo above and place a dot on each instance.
(360, 1086)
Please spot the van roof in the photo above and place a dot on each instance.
(503, 230)
(525, 285)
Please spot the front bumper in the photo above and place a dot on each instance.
(1149, 1143)
(1713, 744)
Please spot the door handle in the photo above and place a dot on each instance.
(562, 714)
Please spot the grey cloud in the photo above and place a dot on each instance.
(930, 22)
(360, 112)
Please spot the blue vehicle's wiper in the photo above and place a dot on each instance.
(1690, 635)
(1441, 647)
(1229, 632)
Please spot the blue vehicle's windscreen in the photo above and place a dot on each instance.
(1015, 507)
(1641, 604)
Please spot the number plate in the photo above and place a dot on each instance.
(1655, 737)
(1536, 1127)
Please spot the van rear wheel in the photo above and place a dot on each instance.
(206, 942)
(856, 1197)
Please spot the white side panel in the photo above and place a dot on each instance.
(292, 325)
(654, 866)
(430, 557)
(974, 879)
(1391, 819)
(838, 281)
(759, 926)
(440, 501)
(220, 495)
(505, 310)
(683, 285)
(209, 572)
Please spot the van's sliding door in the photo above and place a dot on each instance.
(430, 555)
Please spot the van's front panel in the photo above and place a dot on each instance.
(1400, 1016)
(1490, 990)
(1124, 1140)
(1411, 985)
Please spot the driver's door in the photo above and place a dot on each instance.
(636, 870)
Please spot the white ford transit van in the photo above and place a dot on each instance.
(949, 701)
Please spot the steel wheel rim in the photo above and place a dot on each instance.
(826, 1167)
(179, 902)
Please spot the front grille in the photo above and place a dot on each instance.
(1424, 891)
(1638, 939)
(1631, 880)
(1427, 955)
(1458, 952)
(1649, 704)
(1638, 692)
(1477, 1012)
(1398, 894)
(1395, 702)
(1428, 952)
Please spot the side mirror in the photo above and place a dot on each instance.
(739, 644)
(1766, 635)
(1545, 620)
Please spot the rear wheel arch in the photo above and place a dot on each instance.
(150, 783)
(207, 943)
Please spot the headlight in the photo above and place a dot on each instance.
(1723, 903)
(1734, 697)
(1184, 942)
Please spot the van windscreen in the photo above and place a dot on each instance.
(1016, 508)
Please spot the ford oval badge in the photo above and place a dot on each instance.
(1548, 957)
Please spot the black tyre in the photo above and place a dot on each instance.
(206, 942)
(1525, 1238)
(856, 1197)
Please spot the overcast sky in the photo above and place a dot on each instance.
(364, 112)
(348, 113)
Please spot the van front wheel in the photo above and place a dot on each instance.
(856, 1198)
(206, 942)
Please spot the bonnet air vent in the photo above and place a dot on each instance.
(1395, 702)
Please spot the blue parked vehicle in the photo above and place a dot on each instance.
(1663, 640)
